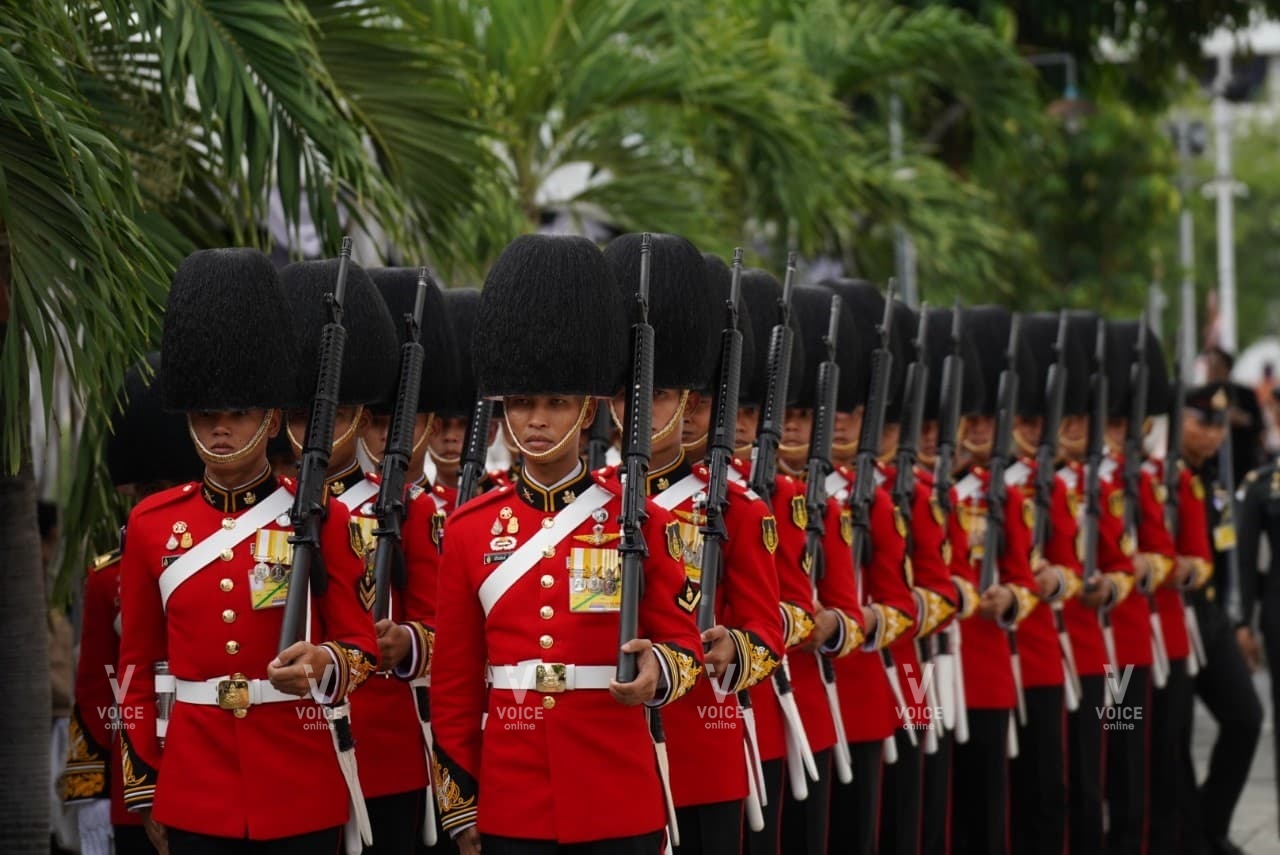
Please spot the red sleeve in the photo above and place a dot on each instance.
(340, 617)
(674, 633)
(1193, 527)
(885, 580)
(931, 577)
(1015, 559)
(1063, 532)
(837, 590)
(1152, 534)
(749, 598)
(794, 587)
(89, 736)
(417, 608)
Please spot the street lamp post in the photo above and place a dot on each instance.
(904, 249)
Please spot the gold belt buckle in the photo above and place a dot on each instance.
(551, 677)
(233, 695)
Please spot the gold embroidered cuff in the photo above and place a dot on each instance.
(354, 667)
(755, 660)
(84, 776)
(1071, 585)
(851, 636)
(1026, 600)
(1122, 586)
(891, 624)
(797, 624)
(969, 597)
(138, 779)
(456, 792)
(683, 670)
(935, 609)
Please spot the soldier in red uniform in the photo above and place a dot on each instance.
(868, 709)
(793, 712)
(245, 761)
(980, 781)
(705, 730)
(148, 451)
(554, 751)
(384, 718)
(448, 432)
(1038, 776)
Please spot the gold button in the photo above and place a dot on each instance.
(549, 552)
(228, 616)
(547, 612)
(227, 555)
(548, 702)
(228, 523)
(240, 713)
(226, 584)
(548, 522)
(548, 580)
(233, 647)
(546, 641)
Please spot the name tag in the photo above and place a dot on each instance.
(595, 580)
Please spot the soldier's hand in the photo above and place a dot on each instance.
(1096, 592)
(156, 832)
(1047, 580)
(298, 667)
(468, 841)
(1249, 648)
(720, 650)
(1143, 570)
(996, 602)
(825, 624)
(1184, 568)
(394, 643)
(645, 685)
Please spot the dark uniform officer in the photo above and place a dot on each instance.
(148, 450)
(552, 750)
(204, 578)
(1224, 684)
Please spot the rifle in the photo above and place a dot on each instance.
(475, 450)
(869, 443)
(307, 573)
(1046, 453)
(764, 466)
(997, 494)
(815, 500)
(914, 387)
(599, 438)
(635, 464)
(949, 414)
(1172, 486)
(1094, 454)
(724, 418)
(388, 558)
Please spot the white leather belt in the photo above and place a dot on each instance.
(231, 693)
(550, 677)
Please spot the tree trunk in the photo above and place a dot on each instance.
(24, 662)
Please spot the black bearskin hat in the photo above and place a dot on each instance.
(551, 320)
(938, 346)
(372, 345)
(461, 305)
(399, 289)
(1122, 357)
(720, 279)
(865, 301)
(760, 295)
(146, 443)
(1082, 336)
(682, 306)
(223, 346)
(988, 328)
(811, 307)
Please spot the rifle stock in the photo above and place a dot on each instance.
(307, 572)
(637, 438)
(388, 559)
(764, 466)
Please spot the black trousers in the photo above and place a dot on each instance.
(980, 786)
(710, 829)
(1226, 688)
(855, 806)
(641, 844)
(804, 824)
(325, 842)
(1085, 768)
(1127, 727)
(396, 822)
(131, 840)
(935, 798)
(1038, 777)
(768, 841)
(1270, 625)
(1173, 781)
(900, 800)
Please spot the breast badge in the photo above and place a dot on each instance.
(769, 529)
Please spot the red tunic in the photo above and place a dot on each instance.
(1038, 646)
(272, 773)
(1131, 617)
(703, 728)
(1082, 622)
(988, 674)
(384, 718)
(1193, 542)
(550, 762)
(93, 751)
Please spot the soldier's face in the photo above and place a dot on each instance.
(1200, 441)
(978, 433)
(748, 423)
(666, 411)
(342, 424)
(541, 422)
(927, 448)
(847, 427)
(1026, 433)
(1073, 434)
(794, 448)
(447, 437)
(375, 434)
(697, 421)
(230, 432)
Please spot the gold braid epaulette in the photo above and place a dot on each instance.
(797, 624)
